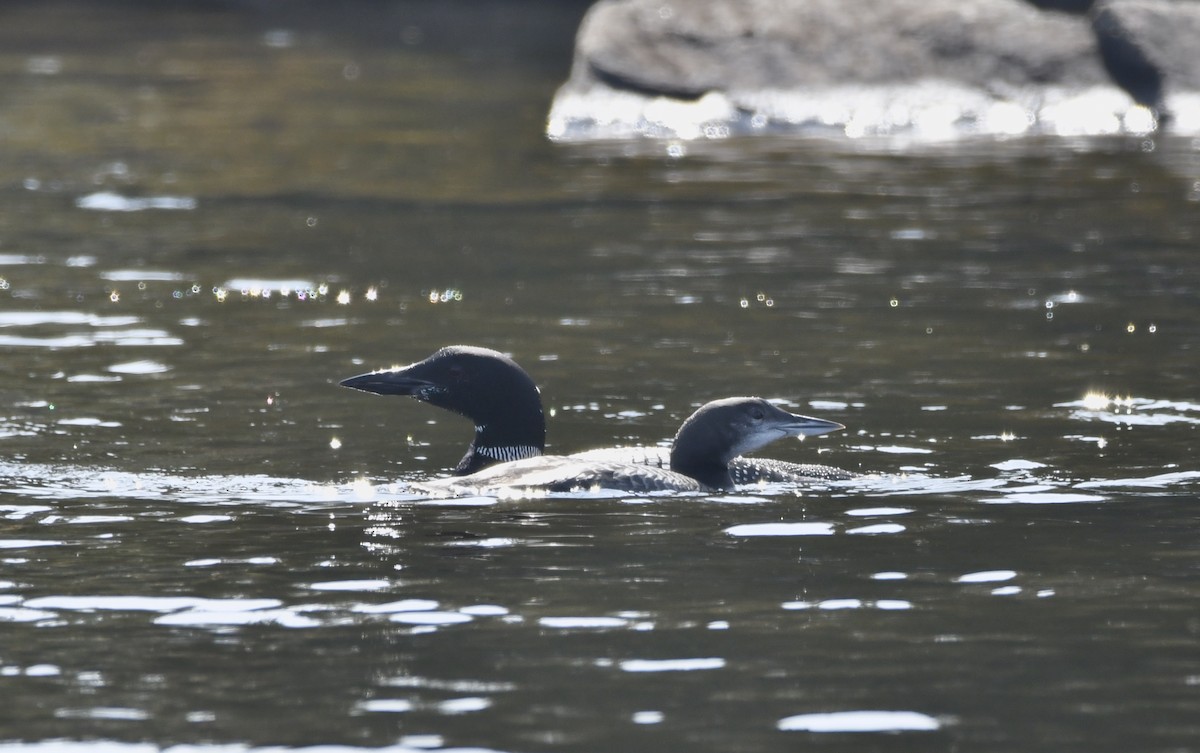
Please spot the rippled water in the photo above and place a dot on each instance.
(211, 217)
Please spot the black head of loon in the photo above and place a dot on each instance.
(481, 384)
(721, 430)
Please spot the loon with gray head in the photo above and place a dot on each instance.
(699, 457)
(503, 401)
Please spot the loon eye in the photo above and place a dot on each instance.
(458, 374)
(757, 413)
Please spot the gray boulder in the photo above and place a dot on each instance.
(686, 48)
(868, 66)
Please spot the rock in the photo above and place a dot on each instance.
(1150, 47)
(685, 48)
(1003, 66)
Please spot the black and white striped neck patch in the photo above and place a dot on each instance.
(512, 452)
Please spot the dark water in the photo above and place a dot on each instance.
(210, 216)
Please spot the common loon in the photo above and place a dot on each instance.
(483, 385)
(700, 455)
(503, 401)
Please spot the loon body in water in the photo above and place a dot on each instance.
(700, 455)
(504, 403)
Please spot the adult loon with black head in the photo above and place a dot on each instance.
(502, 400)
(700, 456)
(483, 385)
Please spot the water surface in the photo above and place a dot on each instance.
(212, 216)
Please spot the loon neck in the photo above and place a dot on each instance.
(714, 475)
(703, 448)
(490, 446)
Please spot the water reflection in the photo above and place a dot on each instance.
(1018, 480)
(108, 201)
(860, 721)
(521, 566)
(1131, 411)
